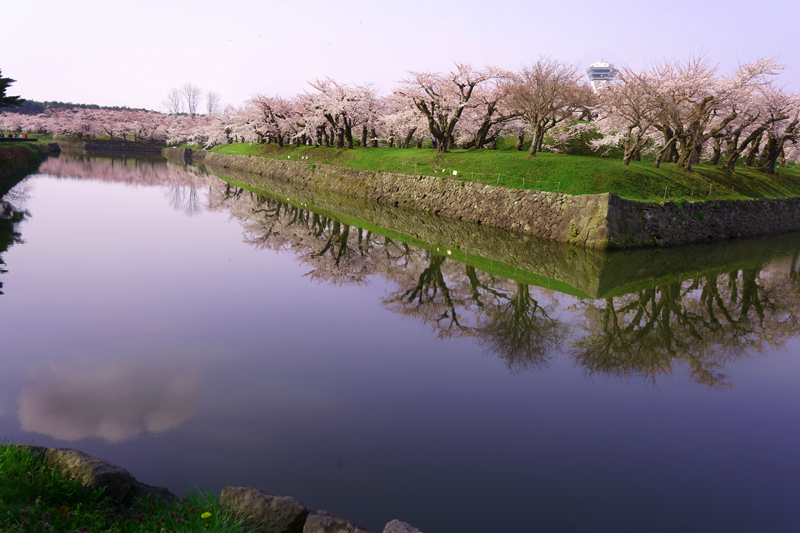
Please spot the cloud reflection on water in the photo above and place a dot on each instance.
(116, 403)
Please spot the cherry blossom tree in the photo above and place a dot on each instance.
(631, 107)
(784, 111)
(443, 97)
(493, 110)
(277, 118)
(344, 106)
(693, 98)
(400, 119)
(546, 93)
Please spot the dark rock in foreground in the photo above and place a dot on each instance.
(266, 513)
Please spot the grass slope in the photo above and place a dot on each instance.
(571, 174)
(38, 499)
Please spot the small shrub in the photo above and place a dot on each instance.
(700, 214)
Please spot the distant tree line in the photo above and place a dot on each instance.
(33, 107)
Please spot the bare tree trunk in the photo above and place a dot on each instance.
(374, 137)
(538, 134)
(348, 135)
(364, 136)
(671, 154)
(627, 154)
(628, 147)
(685, 153)
(441, 144)
(407, 140)
(774, 148)
(735, 149)
(733, 154)
(520, 141)
(664, 151)
(717, 152)
(480, 136)
(770, 153)
(753, 151)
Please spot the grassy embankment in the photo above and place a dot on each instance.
(570, 174)
(18, 159)
(34, 498)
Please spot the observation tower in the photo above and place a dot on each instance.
(600, 72)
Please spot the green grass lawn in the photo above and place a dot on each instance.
(571, 174)
(34, 498)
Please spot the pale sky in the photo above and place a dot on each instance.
(132, 53)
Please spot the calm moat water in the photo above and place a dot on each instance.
(382, 364)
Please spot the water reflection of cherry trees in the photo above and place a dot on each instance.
(12, 214)
(182, 182)
(704, 323)
(701, 324)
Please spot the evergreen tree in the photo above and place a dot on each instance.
(7, 101)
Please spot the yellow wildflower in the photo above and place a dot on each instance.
(205, 515)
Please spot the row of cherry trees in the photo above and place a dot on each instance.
(116, 124)
(687, 111)
(673, 111)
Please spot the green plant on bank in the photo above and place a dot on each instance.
(34, 498)
(571, 174)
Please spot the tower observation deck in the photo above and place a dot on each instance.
(600, 73)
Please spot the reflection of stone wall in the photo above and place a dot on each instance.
(561, 217)
(577, 267)
(593, 273)
(596, 221)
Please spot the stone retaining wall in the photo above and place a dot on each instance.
(635, 224)
(264, 513)
(562, 217)
(592, 220)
